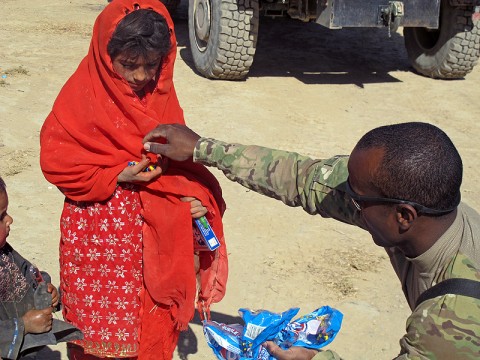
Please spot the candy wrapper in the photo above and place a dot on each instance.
(260, 326)
(236, 341)
(225, 341)
(147, 169)
(312, 331)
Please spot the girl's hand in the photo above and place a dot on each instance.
(135, 174)
(53, 290)
(196, 209)
(38, 321)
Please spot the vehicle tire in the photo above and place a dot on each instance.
(223, 37)
(449, 52)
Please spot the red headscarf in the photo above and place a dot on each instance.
(96, 127)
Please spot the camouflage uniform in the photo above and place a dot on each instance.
(446, 327)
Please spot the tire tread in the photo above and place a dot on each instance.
(237, 40)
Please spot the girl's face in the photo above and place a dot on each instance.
(5, 219)
(137, 71)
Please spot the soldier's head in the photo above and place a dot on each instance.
(403, 172)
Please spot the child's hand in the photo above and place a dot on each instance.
(53, 290)
(197, 209)
(38, 321)
(135, 173)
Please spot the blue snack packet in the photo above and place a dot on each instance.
(204, 236)
(313, 331)
(245, 342)
(223, 339)
(260, 326)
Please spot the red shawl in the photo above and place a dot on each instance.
(96, 127)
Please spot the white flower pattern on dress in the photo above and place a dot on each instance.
(101, 268)
(121, 334)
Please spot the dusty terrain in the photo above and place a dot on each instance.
(311, 90)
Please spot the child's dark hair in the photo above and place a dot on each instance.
(3, 186)
(140, 32)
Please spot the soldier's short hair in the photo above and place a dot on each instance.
(420, 164)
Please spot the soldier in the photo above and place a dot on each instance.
(401, 183)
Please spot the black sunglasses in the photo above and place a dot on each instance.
(357, 199)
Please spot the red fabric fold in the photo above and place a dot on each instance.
(96, 127)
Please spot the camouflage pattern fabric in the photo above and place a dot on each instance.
(318, 186)
(443, 328)
(446, 327)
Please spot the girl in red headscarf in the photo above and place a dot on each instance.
(130, 276)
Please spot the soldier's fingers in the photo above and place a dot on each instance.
(272, 348)
(156, 148)
(158, 132)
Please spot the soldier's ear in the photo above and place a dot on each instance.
(405, 215)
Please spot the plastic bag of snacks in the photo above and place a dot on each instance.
(236, 341)
(225, 340)
(260, 326)
(313, 331)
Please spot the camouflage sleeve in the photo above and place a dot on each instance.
(315, 185)
(447, 327)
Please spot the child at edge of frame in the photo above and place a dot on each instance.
(27, 300)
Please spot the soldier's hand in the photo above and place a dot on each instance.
(38, 321)
(293, 353)
(180, 141)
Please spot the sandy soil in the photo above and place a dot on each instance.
(311, 90)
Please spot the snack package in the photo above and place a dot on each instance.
(225, 341)
(312, 331)
(260, 326)
(236, 341)
(203, 235)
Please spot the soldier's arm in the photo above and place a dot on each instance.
(315, 185)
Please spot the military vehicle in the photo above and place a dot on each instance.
(442, 37)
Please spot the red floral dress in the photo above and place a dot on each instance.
(101, 272)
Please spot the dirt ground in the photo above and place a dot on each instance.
(310, 90)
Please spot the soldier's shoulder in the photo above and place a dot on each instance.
(446, 327)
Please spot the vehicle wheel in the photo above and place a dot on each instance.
(449, 52)
(223, 36)
(171, 5)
